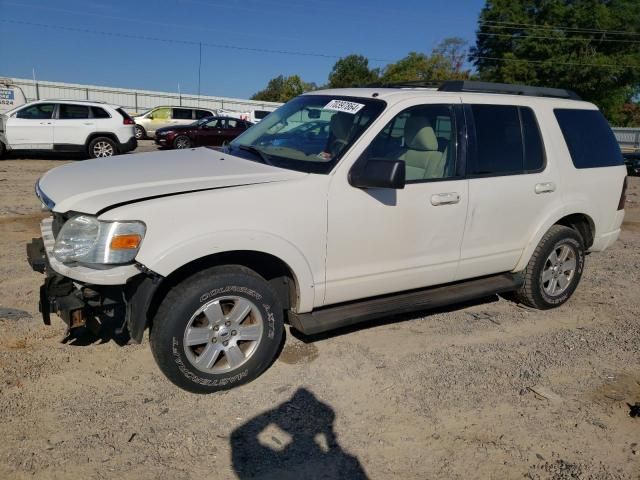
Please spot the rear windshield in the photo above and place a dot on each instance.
(124, 114)
(589, 138)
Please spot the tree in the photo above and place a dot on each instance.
(283, 89)
(352, 71)
(446, 62)
(590, 46)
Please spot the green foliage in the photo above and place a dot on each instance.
(283, 89)
(352, 71)
(537, 43)
(445, 63)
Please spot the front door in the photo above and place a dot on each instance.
(31, 127)
(383, 240)
(211, 132)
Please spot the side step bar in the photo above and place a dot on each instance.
(346, 314)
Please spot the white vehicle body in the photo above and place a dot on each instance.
(11, 95)
(412, 198)
(65, 125)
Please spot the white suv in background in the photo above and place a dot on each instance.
(412, 198)
(94, 128)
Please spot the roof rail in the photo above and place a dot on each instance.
(506, 88)
(78, 100)
(408, 84)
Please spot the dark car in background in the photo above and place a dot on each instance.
(213, 131)
(632, 162)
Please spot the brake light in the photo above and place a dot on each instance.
(623, 195)
(128, 121)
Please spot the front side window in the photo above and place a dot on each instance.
(160, 114)
(73, 112)
(213, 123)
(281, 140)
(589, 138)
(41, 111)
(507, 141)
(424, 138)
(182, 114)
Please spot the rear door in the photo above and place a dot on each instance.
(512, 187)
(31, 127)
(73, 125)
(182, 116)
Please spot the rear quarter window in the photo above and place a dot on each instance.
(589, 138)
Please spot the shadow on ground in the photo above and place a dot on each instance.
(294, 440)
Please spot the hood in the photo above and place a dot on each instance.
(93, 185)
(176, 128)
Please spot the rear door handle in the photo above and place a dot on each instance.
(546, 187)
(445, 199)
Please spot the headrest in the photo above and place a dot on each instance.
(418, 134)
(341, 125)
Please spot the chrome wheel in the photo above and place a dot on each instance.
(182, 142)
(103, 149)
(559, 270)
(223, 334)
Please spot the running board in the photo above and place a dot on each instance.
(346, 314)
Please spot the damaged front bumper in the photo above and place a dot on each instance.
(80, 303)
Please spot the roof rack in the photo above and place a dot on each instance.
(81, 100)
(506, 88)
(484, 87)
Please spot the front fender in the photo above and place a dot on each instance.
(167, 261)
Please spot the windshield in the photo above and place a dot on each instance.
(310, 133)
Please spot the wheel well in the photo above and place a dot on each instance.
(271, 268)
(581, 223)
(108, 135)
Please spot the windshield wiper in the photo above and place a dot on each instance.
(256, 151)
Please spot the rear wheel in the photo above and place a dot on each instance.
(102, 147)
(181, 141)
(3, 150)
(554, 270)
(216, 330)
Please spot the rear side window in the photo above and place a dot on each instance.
(202, 113)
(73, 112)
(507, 141)
(98, 112)
(182, 114)
(260, 114)
(41, 111)
(589, 138)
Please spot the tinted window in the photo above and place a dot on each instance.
(423, 138)
(71, 112)
(41, 111)
(182, 114)
(125, 115)
(232, 123)
(202, 113)
(499, 146)
(260, 114)
(589, 138)
(98, 112)
(533, 147)
(215, 123)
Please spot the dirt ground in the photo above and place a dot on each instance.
(488, 390)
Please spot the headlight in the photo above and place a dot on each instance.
(86, 239)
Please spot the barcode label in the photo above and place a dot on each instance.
(344, 106)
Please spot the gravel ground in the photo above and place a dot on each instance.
(487, 390)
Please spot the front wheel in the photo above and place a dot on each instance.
(216, 330)
(554, 270)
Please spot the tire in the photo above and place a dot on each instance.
(102, 147)
(140, 133)
(548, 287)
(181, 142)
(184, 342)
(3, 151)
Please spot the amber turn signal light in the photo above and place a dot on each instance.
(125, 242)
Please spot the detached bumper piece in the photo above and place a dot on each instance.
(110, 311)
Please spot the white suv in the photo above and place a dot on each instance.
(94, 128)
(412, 198)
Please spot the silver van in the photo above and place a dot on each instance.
(158, 117)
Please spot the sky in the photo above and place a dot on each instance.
(153, 44)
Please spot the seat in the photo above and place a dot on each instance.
(422, 158)
(340, 126)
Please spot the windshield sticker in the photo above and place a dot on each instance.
(344, 106)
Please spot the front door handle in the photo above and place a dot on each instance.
(546, 187)
(445, 199)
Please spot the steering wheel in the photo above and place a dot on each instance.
(337, 145)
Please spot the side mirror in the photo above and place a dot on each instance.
(378, 173)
